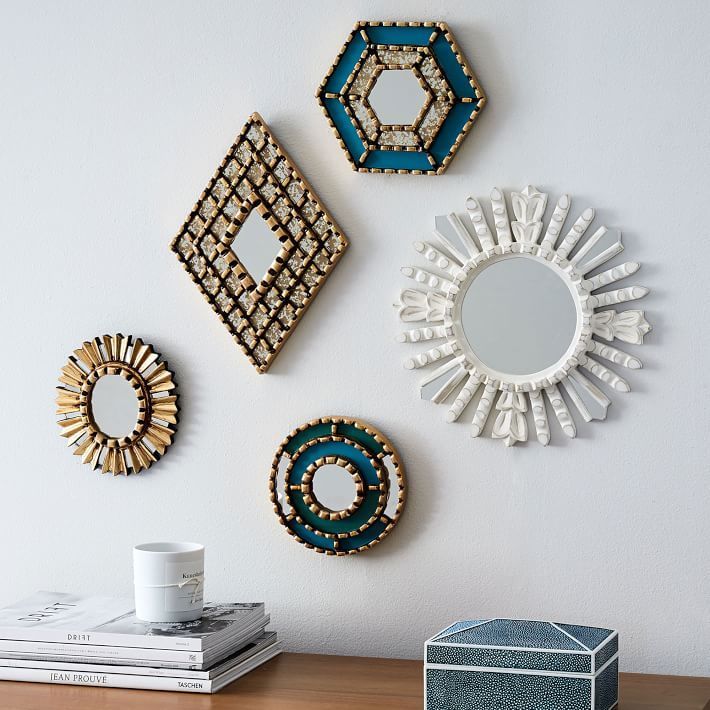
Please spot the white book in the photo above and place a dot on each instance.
(265, 640)
(121, 680)
(122, 655)
(58, 617)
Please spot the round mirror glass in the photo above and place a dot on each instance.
(334, 487)
(114, 406)
(518, 316)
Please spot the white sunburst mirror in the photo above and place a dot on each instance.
(519, 317)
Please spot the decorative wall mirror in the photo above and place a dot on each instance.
(400, 97)
(520, 316)
(338, 485)
(259, 243)
(117, 404)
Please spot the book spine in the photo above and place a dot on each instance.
(48, 635)
(57, 665)
(30, 658)
(91, 651)
(106, 680)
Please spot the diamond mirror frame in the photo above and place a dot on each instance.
(257, 174)
(454, 98)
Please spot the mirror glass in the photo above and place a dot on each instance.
(334, 487)
(592, 397)
(590, 248)
(114, 406)
(518, 316)
(397, 97)
(256, 246)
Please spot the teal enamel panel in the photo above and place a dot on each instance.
(412, 36)
(362, 437)
(453, 125)
(335, 527)
(334, 448)
(357, 459)
(363, 538)
(453, 71)
(346, 64)
(397, 160)
(303, 437)
(352, 522)
(310, 537)
(345, 128)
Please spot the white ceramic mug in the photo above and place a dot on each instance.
(169, 581)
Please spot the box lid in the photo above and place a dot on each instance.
(524, 644)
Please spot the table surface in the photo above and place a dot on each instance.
(305, 682)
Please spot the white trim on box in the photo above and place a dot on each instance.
(519, 671)
(426, 693)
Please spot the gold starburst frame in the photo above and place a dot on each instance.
(257, 174)
(363, 452)
(154, 387)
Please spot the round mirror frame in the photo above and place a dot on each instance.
(361, 450)
(553, 373)
(439, 305)
(310, 497)
(154, 386)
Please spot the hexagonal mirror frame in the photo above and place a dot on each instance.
(454, 98)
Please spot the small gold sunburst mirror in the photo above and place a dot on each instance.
(117, 404)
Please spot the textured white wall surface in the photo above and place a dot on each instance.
(113, 117)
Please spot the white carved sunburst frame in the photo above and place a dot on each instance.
(436, 304)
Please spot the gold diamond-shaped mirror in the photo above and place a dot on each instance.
(258, 210)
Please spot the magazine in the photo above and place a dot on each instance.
(120, 680)
(124, 655)
(57, 617)
(241, 655)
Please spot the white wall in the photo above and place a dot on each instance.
(113, 117)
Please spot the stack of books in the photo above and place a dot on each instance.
(54, 637)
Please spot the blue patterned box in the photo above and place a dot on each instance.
(513, 664)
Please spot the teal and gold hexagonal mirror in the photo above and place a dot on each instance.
(400, 97)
